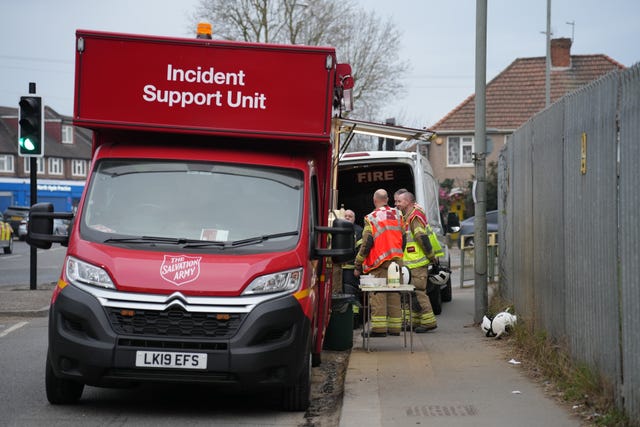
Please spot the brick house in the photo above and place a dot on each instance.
(62, 171)
(512, 97)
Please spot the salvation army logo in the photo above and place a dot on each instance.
(180, 269)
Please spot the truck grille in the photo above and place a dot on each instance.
(174, 323)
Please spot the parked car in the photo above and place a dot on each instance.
(467, 228)
(23, 228)
(14, 215)
(61, 226)
(6, 236)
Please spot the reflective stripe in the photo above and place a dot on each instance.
(427, 319)
(395, 323)
(392, 253)
(379, 322)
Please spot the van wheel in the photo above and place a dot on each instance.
(435, 299)
(446, 292)
(61, 391)
(297, 397)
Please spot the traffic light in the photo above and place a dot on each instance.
(31, 127)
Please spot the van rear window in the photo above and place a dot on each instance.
(357, 185)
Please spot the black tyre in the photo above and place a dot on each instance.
(297, 397)
(61, 391)
(445, 293)
(435, 299)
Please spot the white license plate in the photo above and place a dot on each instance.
(169, 359)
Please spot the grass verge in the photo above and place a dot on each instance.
(583, 390)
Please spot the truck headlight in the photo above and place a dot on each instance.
(276, 282)
(87, 274)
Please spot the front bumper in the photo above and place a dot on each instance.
(97, 344)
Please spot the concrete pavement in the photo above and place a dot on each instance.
(455, 377)
(20, 301)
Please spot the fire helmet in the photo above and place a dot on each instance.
(439, 275)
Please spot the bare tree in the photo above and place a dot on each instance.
(361, 38)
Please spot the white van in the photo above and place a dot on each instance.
(360, 174)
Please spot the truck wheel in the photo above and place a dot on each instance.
(9, 249)
(61, 391)
(435, 299)
(446, 292)
(297, 397)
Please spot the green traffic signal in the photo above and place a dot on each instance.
(31, 129)
(27, 145)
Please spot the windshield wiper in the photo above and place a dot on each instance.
(260, 239)
(237, 243)
(155, 239)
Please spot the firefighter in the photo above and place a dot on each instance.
(347, 268)
(350, 283)
(422, 247)
(382, 243)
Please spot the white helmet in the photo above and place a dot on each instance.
(439, 275)
(499, 324)
(406, 275)
(486, 326)
(502, 322)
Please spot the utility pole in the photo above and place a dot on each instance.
(480, 148)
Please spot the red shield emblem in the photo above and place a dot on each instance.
(180, 269)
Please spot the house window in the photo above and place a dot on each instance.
(67, 134)
(6, 163)
(40, 163)
(55, 166)
(460, 151)
(79, 168)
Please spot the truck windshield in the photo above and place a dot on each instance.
(183, 203)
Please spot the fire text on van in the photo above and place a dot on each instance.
(376, 176)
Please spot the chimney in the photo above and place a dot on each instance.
(561, 53)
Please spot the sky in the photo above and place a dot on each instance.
(438, 41)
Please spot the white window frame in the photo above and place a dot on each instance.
(464, 146)
(55, 166)
(67, 134)
(78, 167)
(40, 165)
(6, 163)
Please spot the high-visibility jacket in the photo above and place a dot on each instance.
(414, 255)
(387, 230)
(6, 233)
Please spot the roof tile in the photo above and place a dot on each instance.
(518, 92)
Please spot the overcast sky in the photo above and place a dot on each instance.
(438, 40)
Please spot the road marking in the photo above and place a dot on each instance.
(12, 328)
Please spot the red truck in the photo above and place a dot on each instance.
(201, 248)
